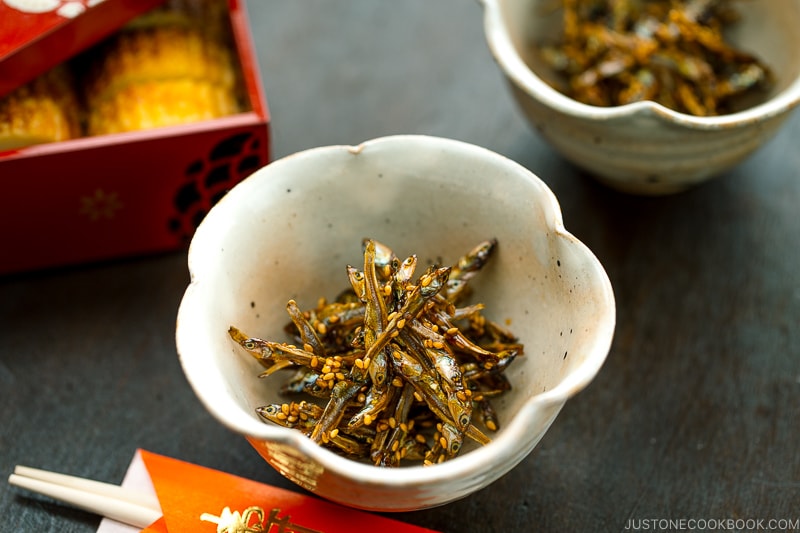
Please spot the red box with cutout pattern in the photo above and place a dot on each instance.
(122, 194)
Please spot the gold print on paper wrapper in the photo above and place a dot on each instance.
(252, 520)
(100, 204)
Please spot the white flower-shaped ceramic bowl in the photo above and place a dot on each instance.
(289, 231)
(645, 148)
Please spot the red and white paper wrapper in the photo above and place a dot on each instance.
(199, 499)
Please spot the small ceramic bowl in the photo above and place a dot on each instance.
(643, 147)
(288, 232)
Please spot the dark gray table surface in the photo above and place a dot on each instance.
(695, 415)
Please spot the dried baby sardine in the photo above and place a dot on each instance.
(615, 52)
(393, 370)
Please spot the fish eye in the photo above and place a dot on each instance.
(267, 411)
(455, 446)
(464, 420)
(249, 345)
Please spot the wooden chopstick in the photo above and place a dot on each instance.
(111, 501)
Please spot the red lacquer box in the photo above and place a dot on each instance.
(116, 195)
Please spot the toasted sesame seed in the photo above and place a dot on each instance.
(307, 347)
(314, 362)
(401, 323)
(425, 281)
(321, 328)
(395, 445)
(333, 433)
(438, 345)
(443, 442)
(329, 376)
(461, 396)
(397, 382)
(491, 425)
(392, 422)
(368, 419)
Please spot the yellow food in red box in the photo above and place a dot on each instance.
(153, 104)
(174, 65)
(44, 110)
(171, 66)
(119, 195)
(160, 53)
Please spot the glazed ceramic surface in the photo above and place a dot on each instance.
(289, 231)
(645, 148)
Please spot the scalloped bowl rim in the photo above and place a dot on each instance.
(513, 66)
(503, 445)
